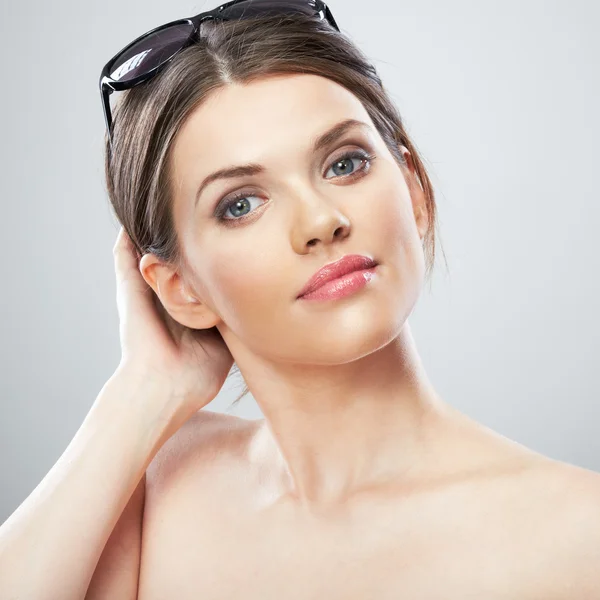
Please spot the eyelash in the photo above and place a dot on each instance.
(361, 154)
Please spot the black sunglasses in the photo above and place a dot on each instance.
(146, 55)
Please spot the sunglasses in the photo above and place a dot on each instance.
(143, 58)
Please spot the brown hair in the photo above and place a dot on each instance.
(148, 117)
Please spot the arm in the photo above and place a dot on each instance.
(50, 546)
(118, 571)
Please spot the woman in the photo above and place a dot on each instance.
(245, 171)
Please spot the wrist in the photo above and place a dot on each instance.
(135, 401)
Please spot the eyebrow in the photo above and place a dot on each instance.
(324, 140)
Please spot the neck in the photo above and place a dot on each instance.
(337, 430)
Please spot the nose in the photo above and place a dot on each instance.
(318, 220)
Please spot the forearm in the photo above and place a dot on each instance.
(50, 545)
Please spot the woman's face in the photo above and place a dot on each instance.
(251, 253)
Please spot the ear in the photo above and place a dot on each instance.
(175, 296)
(417, 194)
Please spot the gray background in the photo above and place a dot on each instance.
(501, 98)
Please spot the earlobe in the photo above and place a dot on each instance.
(187, 296)
(173, 294)
(422, 222)
(196, 315)
(185, 308)
(193, 312)
(419, 204)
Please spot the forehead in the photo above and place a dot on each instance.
(258, 121)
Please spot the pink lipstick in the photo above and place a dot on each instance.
(339, 279)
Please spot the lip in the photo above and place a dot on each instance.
(343, 266)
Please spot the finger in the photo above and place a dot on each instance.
(126, 258)
(134, 295)
(124, 249)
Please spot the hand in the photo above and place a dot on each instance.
(190, 365)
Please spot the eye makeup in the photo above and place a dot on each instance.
(229, 202)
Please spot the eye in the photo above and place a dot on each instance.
(342, 163)
(239, 203)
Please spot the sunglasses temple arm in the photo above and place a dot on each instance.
(105, 92)
(330, 18)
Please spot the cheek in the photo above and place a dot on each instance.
(396, 228)
(396, 232)
(246, 282)
(391, 215)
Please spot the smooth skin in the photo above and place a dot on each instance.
(361, 481)
(78, 533)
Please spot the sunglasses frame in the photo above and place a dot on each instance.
(109, 85)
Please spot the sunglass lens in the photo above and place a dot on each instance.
(150, 52)
(253, 8)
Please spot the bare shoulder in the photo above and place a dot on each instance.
(209, 440)
(549, 511)
(192, 488)
(568, 546)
